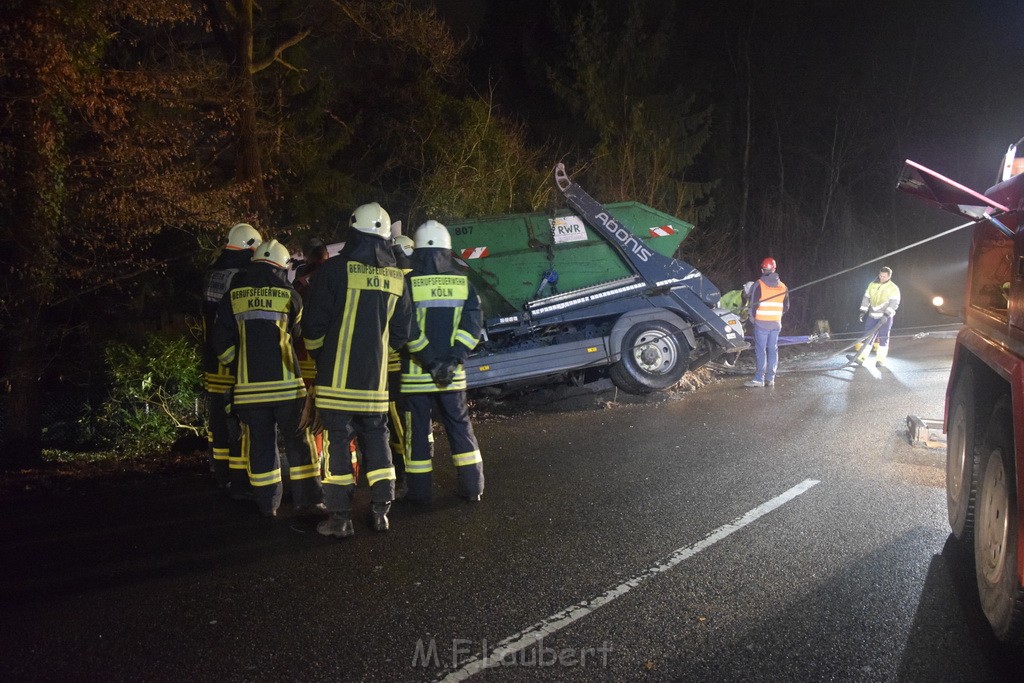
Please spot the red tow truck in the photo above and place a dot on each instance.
(984, 414)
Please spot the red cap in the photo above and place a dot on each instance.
(768, 263)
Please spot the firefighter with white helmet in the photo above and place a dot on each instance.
(403, 246)
(358, 309)
(223, 432)
(450, 321)
(255, 324)
(769, 301)
(243, 236)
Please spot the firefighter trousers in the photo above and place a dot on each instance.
(261, 425)
(339, 482)
(419, 443)
(396, 426)
(225, 434)
(397, 440)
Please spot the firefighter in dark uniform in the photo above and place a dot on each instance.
(228, 465)
(358, 308)
(314, 253)
(402, 247)
(450, 321)
(255, 324)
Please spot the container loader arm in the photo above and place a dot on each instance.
(680, 283)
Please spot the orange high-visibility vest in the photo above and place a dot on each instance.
(769, 308)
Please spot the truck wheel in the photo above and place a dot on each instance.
(995, 531)
(961, 446)
(654, 356)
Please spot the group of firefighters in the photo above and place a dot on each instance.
(364, 345)
(765, 300)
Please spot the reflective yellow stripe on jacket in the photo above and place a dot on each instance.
(431, 292)
(339, 395)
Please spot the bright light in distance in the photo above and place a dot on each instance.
(938, 301)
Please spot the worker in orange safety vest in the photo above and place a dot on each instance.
(769, 301)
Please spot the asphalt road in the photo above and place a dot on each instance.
(727, 534)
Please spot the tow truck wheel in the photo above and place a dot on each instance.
(654, 356)
(995, 532)
(960, 453)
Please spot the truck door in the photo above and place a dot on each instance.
(1015, 305)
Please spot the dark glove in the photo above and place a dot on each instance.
(229, 401)
(889, 314)
(442, 371)
(861, 318)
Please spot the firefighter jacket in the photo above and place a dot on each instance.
(403, 263)
(218, 378)
(303, 277)
(881, 299)
(254, 329)
(358, 309)
(769, 300)
(449, 318)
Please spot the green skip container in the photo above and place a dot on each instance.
(510, 257)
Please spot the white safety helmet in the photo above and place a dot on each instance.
(243, 236)
(274, 253)
(372, 219)
(405, 243)
(432, 235)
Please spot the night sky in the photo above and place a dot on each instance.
(952, 64)
(936, 81)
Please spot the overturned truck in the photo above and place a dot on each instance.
(626, 309)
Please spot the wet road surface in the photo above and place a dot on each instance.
(728, 534)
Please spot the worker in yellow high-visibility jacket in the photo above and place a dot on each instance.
(877, 309)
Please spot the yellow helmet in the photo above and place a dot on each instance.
(272, 252)
(372, 219)
(243, 236)
(432, 235)
(405, 243)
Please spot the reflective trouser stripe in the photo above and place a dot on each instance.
(396, 426)
(383, 474)
(338, 479)
(261, 426)
(266, 478)
(329, 475)
(460, 459)
(454, 413)
(304, 472)
(222, 436)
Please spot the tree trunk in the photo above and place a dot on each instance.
(248, 169)
(37, 198)
(745, 172)
(23, 438)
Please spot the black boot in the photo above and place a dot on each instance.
(339, 525)
(380, 516)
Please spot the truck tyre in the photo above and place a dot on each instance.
(961, 448)
(995, 531)
(654, 356)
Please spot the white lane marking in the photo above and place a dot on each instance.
(556, 622)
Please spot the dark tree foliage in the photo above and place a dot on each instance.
(134, 132)
(96, 141)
